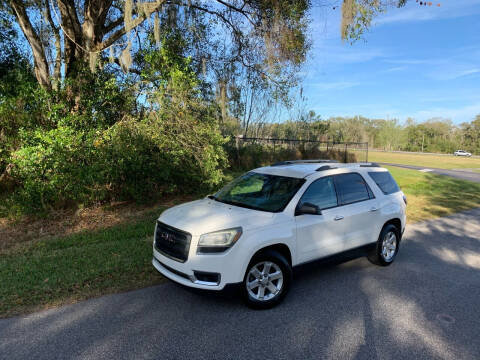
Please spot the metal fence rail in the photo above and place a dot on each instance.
(293, 143)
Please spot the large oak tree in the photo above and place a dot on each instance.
(63, 34)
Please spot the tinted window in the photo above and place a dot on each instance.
(385, 182)
(260, 191)
(351, 188)
(321, 193)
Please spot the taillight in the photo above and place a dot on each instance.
(405, 199)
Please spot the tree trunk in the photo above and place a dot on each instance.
(73, 39)
(39, 57)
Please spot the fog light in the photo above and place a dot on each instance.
(207, 277)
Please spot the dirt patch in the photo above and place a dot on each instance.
(15, 233)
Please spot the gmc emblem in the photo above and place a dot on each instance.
(167, 237)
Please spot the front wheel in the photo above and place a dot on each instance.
(267, 280)
(386, 248)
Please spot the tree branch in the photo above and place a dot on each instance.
(112, 25)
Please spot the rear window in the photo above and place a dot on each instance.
(352, 188)
(385, 182)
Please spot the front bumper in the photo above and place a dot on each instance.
(209, 272)
(184, 279)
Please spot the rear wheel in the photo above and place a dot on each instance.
(267, 280)
(386, 248)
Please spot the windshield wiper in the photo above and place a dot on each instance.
(243, 205)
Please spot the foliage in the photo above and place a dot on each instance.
(103, 151)
(357, 16)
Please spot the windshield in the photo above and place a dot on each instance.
(260, 191)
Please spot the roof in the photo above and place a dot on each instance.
(303, 169)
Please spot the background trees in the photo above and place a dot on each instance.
(434, 135)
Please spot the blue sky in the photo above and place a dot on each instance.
(417, 61)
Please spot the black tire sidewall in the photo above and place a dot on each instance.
(278, 259)
(386, 229)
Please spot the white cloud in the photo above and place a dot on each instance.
(459, 114)
(336, 85)
(451, 70)
(395, 69)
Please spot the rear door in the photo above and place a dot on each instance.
(358, 207)
(319, 235)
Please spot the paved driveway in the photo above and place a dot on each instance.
(462, 174)
(426, 305)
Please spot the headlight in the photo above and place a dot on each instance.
(218, 241)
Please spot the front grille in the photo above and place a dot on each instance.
(172, 242)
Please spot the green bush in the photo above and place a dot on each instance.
(130, 160)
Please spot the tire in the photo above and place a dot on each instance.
(384, 256)
(257, 282)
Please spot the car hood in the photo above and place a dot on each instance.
(206, 215)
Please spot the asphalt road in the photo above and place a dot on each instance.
(455, 173)
(426, 305)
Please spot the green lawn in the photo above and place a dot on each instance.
(55, 271)
(431, 195)
(67, 269)
(435, 161)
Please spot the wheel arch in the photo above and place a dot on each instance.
(395, 222)
(281, 248)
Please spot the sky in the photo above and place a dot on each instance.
(417, 61)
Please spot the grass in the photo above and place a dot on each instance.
(52, 271)
(71, 268)
(435, 161)
(431, 195)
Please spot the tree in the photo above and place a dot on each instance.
(357, 15)
(265, 36)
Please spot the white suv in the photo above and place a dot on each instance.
(255, 229)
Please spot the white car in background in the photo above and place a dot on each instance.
(461, 153)
(254, 230)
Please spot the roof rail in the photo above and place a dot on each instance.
(346, 165)
(372, 164)
(290, 162)
(326, 167)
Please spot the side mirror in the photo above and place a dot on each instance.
(307, 208)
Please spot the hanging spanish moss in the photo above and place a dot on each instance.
(112, 55)
(156, 29)
(128, 11)
(126, 58)
(204, 66)
(92, 61)
(348, 13)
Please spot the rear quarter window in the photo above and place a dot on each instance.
(385, 182)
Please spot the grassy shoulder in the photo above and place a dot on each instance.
(431, 195)
(52, 271)
(66, 269)
(435, 161)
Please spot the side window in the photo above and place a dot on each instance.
(385, 181)
(321, 193)
(352, 188)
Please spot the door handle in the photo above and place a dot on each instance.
(338, 217)
(373, 208)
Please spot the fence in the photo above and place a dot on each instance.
(358, 148)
